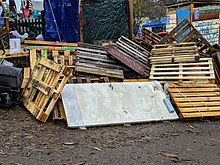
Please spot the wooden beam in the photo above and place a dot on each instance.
(131, 19)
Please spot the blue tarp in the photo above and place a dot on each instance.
(156, 23)
(66, 14)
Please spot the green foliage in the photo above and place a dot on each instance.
(152, 9)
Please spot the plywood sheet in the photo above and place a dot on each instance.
(117, 103)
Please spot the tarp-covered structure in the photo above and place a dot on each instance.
(62, 21)
(104, 19)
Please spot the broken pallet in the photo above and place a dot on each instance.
(185, 32)
(196, 100)
(43, 89)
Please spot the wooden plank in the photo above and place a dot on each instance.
(101, 71)
(46, 43)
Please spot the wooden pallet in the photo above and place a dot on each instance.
(61, 55)
(94, 60)
(178, 52)
(148, 39)
(185, 32)
(202, 70)
(196, 100)
(129, 61)
(43, 89)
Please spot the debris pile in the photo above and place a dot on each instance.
(183, 58)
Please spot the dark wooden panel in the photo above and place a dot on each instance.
(128, 61)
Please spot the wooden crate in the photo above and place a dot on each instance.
(177, 52)
(202, 70)
(43, 89)
(185, 32)
(61, 55)
(196, 100)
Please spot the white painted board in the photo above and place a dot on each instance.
(114, 103)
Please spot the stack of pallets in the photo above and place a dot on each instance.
(93, 60)
(180, 62)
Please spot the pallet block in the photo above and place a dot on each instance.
(196, 100)
(43, 89)
(202, 70)
(178, 52)
(58, 112)
(26, 76)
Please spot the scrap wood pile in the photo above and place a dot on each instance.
(188, 62)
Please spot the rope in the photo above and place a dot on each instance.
(54, 20)
(189, 101)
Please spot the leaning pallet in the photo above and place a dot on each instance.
(186, 32)
(61, 55)
(177, 52)
(201, 70)
(43, 89)
(196, 100)
(132, 55)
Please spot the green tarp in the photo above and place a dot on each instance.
(104, 19)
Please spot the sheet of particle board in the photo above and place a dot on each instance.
(114, 103)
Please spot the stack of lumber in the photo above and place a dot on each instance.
(132, 55)
(148, 39)
(93, 60)
(196, 100)
(185, 32)
(171, 53)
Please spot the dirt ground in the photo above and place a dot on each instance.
(24, 140)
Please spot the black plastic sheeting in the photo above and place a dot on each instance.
(104, 19)
(67, 17)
